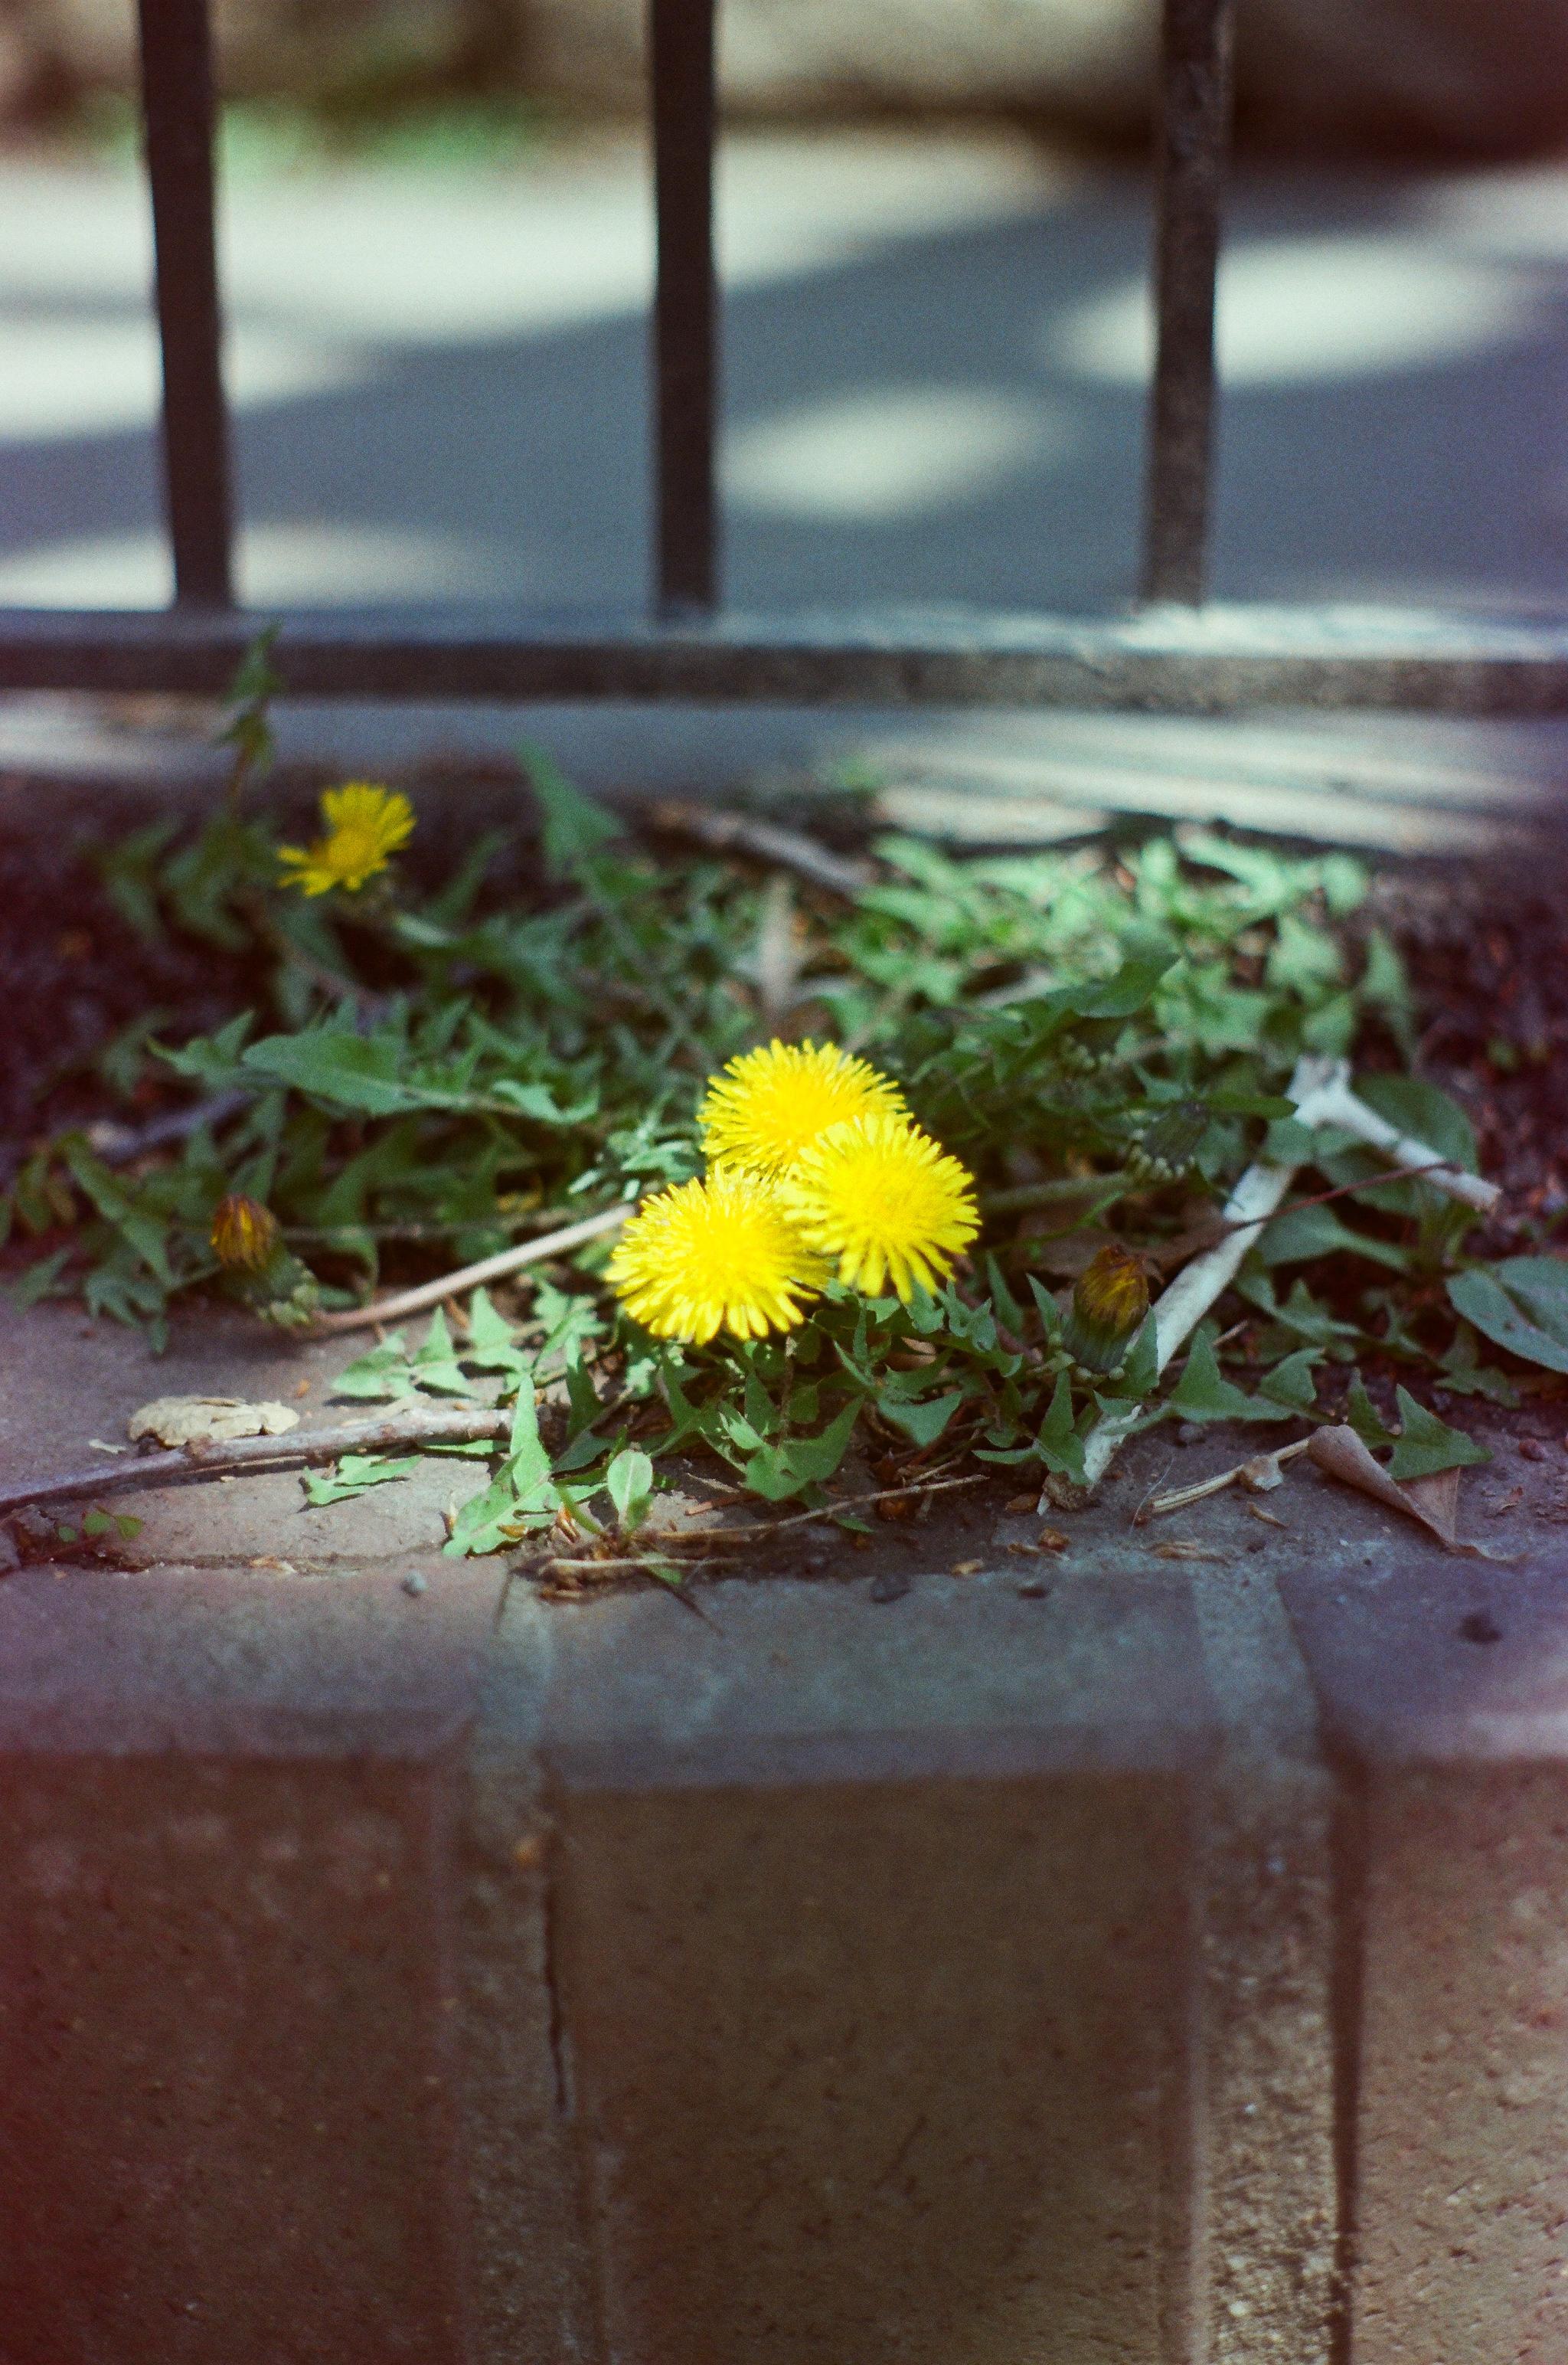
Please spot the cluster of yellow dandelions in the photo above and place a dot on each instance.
(817, 1171)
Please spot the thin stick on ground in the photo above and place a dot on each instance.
(696, 1547)
(470, 1276)
(394, 1433)
(1178, 1499)
(1203, 1235)
(787, 849)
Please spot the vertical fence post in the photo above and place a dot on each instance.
(686, 306)
(1193, 144)
(177, 111)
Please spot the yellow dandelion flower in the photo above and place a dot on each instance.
(715, 1255)
(365, 827)
(244, 1233)
(886, 1201)
(769, 1106)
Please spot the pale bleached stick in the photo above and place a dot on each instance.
(1321, 1090)
(1179, 1498)
(470, 1276)
(1338, 1105)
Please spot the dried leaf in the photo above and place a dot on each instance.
(1178, 1549)
(1433, 1501)
(208, 1420)
(1267, 1517)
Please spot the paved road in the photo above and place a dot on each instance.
(934, 360)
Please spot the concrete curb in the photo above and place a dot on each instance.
(1168, 1969)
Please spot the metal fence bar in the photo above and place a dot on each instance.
(1220, 660)
(177, 110)
(686, 305)
(1193, 144)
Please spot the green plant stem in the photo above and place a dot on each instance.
(1065, 1190)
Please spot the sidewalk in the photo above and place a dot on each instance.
(910, 1958)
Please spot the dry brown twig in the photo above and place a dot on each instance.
(787, 849)
(394, 1433)
(696, 1547)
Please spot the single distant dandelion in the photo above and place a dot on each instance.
(244, 1233)
(885, 1202)
(719, 1254)
(768, 1105)
(365, 827)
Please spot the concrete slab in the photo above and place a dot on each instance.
(65, 1383)
(781, 1682)
(1446, 1690)
(1405, 784)
(935, 363)
(229, 2009)
(895, 1961)
(935, 374)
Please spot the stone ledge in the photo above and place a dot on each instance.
(195, 1662)
(957, 1973)
(789, 1682)
(1439, 1661)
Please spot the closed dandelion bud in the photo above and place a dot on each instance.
(244, 1234)
(1108, 1308)
(257, 1268)
(1164, 1150)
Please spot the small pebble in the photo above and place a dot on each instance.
(1532, 1448)
(416, 1584)
(891, 1586)
(1189, 1433)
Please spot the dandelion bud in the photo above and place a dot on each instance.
(1108, 1305)
(1164, 1149)
(244, 1233)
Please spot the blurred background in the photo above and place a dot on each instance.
(934, 231)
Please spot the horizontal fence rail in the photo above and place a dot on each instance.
(1174, 653)
(1208, 660)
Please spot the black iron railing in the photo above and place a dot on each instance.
(1173, 651)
